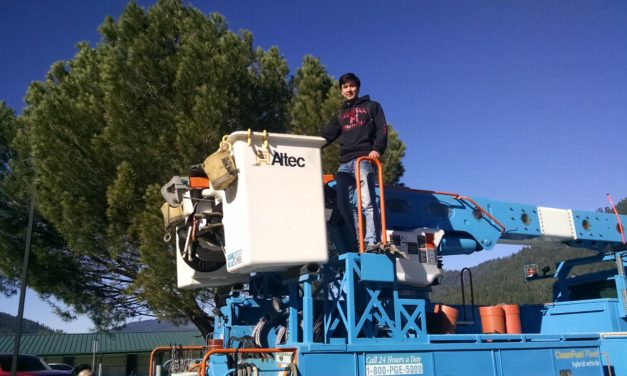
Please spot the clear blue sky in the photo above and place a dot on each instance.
(522, 101)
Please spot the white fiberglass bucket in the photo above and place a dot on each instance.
(274, 215)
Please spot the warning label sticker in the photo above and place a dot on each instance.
(234, 259)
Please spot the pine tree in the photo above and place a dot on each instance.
(103, 132)
(108, 127)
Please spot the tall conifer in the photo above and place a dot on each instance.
(108, 127)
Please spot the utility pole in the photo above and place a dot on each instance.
(20, 312)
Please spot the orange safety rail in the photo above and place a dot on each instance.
(465, 198)
(203, 364)
(381, 202)
(169, 348)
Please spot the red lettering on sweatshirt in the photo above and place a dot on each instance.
(350, 118)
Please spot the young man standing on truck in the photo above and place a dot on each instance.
(362, 131)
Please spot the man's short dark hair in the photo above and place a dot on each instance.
(79, 368)
(350, 77)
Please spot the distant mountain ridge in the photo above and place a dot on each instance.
(502, 280)
(8, 326)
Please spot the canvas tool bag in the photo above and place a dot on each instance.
(172, 216)
(220, 166)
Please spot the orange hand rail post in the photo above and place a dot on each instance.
(381, 201)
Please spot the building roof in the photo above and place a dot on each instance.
(107, 343)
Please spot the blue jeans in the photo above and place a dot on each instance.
(346, 198)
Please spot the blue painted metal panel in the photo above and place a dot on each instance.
(614, 353)
(598, 315)
(532, 362)
(596, 227)
(521, 220)
(377, 268)
(465, 363)
(328, 364)
(219, 365)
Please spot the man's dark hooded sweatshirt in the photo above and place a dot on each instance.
(361, 127)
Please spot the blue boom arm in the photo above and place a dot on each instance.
(475, 224)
